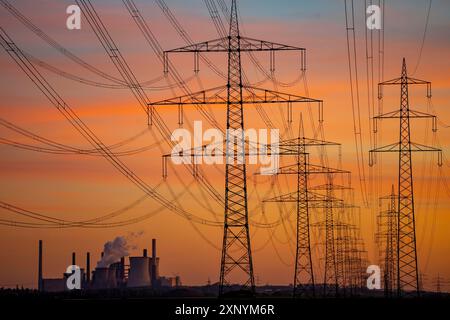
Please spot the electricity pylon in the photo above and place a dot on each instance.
(343, 242)
(304, 284)
(352, 263)
(236, 250)
(407, 266)
(333, 273)
(439, 282)
(422, 278)
(386, 238)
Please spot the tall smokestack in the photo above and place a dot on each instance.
(73, 259)
(88, 267)
(153, 262)
(144, 253)
(153, 248)
(40, 267)
(122, 269)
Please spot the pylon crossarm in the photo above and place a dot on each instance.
(404, 80)
(409, 80)
(250, 44)
(334, 187)
(415, 147)
(293, 197)
(250, 95)
(322, 224)
(215, 45)
(316, 169)
(222, 45)
(412, 114)
(307, 142)
(297, 145)
(311, 169)
(260, 95)
(339, 204)
(216, 95)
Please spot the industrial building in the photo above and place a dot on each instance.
(141, 272)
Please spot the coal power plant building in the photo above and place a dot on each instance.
(132, 272)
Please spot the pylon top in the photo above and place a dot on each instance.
(404, 72)
(301, 130)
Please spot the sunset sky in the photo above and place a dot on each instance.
(81, 187)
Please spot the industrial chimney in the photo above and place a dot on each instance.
(144, 253)
(154, 264)
(122, 269)
(73, 258)
(40, 288)
(88, 267)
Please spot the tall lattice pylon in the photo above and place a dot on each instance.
(387, 241)
(236, 261)
(407, 266)
(304, 283)
(333, 272)
(236, 250)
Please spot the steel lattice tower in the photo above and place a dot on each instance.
(407, 250)
(387, 236)
(236, 250)
(334, 272)
(303, 258)
(330, 273)
(407, 266)
(304, 283)
(391, 244)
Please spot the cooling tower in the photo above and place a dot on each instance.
(139, 275)
(112, 277)
(101, 278)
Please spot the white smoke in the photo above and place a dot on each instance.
(114, 250)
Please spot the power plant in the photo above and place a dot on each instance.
(141, 272)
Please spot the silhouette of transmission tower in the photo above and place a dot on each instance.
(386, 238)
(439, 282)
(236, 258)
(407, 267)
(304, 284)
(334, 268)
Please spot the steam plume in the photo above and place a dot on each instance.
(114, 250)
